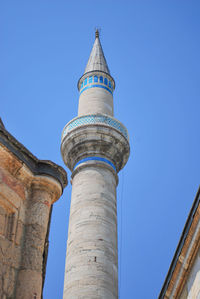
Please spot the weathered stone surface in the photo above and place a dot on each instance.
(35, 236)
(12, 183)
(184, 294)
(29, 285)
(3, 215)
(7, 281)
(31, 258)
(10, 255)
(26, 197)
(39, 213)
(19, 232)
(8, 161)
(193, 281)
(91, 263)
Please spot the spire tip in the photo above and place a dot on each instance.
(97, 33)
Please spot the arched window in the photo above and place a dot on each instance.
(95, 79)
(101, 79)
(90, 79)
(106, 81)
(85, 81)
(109, 84)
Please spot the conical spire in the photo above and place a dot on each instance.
(97, 61)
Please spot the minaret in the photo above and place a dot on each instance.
(94, 147)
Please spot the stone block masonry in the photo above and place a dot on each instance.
(92, 239)
(28, 188)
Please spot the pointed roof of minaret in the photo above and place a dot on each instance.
(97, 61)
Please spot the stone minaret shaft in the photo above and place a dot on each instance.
(94, 147)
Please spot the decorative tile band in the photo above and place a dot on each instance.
(95, 159)
(92, 81)
(96, 85)
(94, 119)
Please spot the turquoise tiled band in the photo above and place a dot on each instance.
(95, 159)
(94, 119)
(96, 85)
(93, 81)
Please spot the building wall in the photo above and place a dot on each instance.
(12, 195)
(183, 278)
(192, 287)
(25, 206)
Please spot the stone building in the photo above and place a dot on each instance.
(28, 188)
(95, 148)
(183, 278)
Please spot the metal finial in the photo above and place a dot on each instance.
(97, 33)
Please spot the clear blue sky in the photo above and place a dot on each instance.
(152, 49)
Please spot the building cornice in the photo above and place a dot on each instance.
(37, 167)
(184, 255)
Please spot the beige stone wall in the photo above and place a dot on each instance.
(25, 202)
(12, 196)
(184, 294)
(192, 287)
(35, 228)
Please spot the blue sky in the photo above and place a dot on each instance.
(152, 49)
